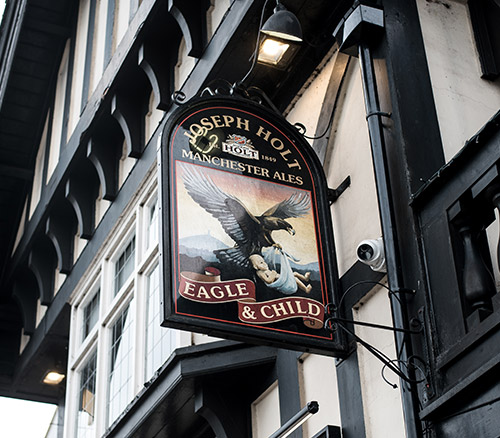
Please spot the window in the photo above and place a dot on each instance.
(90, 316)
(153, 224)
(116, 306)
(86, 410)
(485, 15)
(124, 265)
(120, 391)
(160, 341)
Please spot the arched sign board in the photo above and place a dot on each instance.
(247, 242)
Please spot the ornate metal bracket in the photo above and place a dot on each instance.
(333, 322)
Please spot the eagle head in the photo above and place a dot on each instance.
(284, 225)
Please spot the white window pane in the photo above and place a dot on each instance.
(124, 266)
(121, 365)
(159, 343)
(85, 424)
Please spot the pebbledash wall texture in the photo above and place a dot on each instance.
(142, 273)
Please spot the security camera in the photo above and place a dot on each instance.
(371, 252)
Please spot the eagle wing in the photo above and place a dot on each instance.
(236, 220)
(297, 205)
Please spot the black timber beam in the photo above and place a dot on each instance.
(105, 157)
(191, 17)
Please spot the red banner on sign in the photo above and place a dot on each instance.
(208, 288)
(283, 308)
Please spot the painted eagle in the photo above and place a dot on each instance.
(250, 233)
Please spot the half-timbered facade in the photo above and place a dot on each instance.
(399, 101)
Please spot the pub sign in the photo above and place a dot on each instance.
(247, 243)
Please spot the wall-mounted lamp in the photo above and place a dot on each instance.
(297, 420)
(282, 35)
(283, 24)
(53, 378)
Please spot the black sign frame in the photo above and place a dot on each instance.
(202, 143)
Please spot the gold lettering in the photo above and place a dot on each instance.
(242, 124)
(217, 121)
(295, 163)
(228, 120)
(279, 145)
(207, 124)
(266, 133)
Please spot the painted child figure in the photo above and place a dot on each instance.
(269, 276)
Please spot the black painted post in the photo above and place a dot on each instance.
(386, 211)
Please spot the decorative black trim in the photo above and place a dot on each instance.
(82, 196)
(105, 158)
(88, 55)
(42, 261)
(157, 68)
(61, 230)
(191, 17)
(124, 110)
(25, 293)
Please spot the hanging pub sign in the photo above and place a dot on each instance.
(247, 242)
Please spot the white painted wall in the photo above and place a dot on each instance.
(20, 230)
(56, 140)
(318, 382)
(464, 101)
(355, 214)
(38, 176)
(78, 66)
(307, 108)
(40, 312)
(215, 14)
(153, 118)
(98, 44)
(493, 234)
(266, 413)
(125, 165)
(122, 14)
(183, 67)
(382, 404)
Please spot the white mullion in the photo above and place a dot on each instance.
(71, 376)
(102, 380)
(138, 336)
(102, 352)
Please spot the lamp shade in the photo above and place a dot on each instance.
(283, 24)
